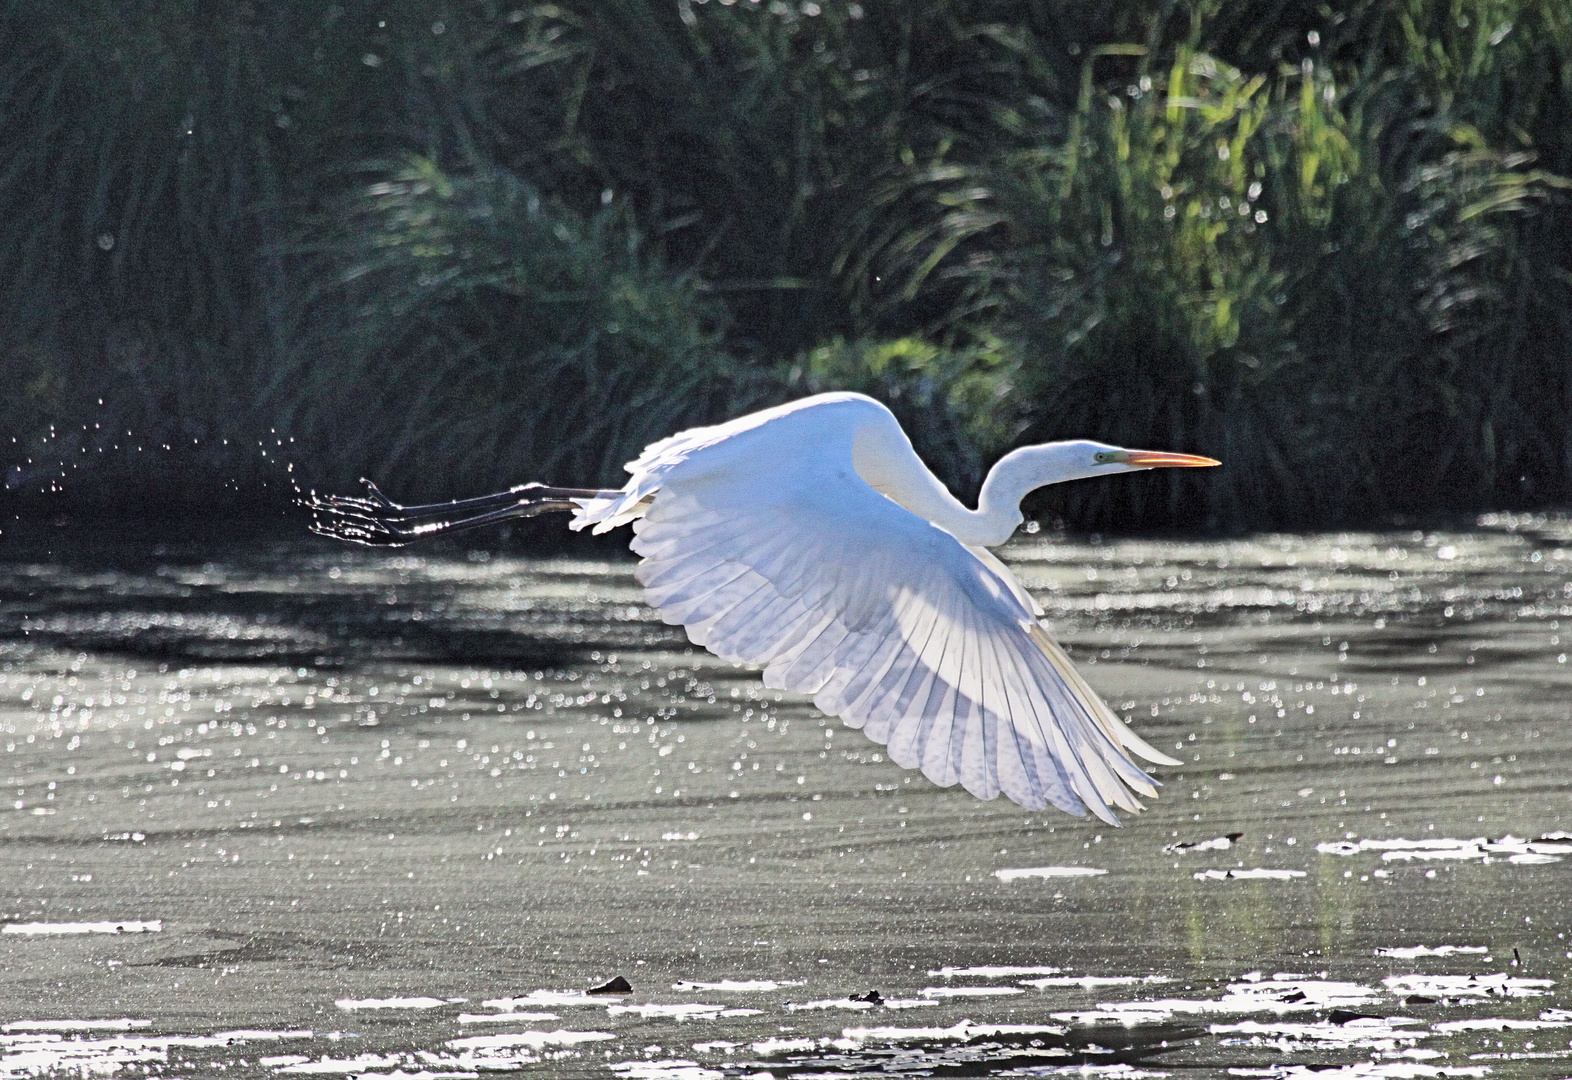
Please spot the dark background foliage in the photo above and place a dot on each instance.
(456, 244)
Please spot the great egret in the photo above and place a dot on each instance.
(811, 540)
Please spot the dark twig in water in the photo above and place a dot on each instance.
(377, 521)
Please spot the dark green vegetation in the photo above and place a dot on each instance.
(455, 245)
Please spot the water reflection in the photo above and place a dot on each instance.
(310, 776)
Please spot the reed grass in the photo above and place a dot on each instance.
(455, 244)
(501, 330)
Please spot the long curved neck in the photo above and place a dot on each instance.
(1017, 474)
(998, 512)
(991, 524)
(896, 471)
(999, 506)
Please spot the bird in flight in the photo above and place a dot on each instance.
(810, 539)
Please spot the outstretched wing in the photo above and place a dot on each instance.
(891, 624)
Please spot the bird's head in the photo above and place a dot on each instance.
(1112, 459)
(1079, 459)
(1030, 467)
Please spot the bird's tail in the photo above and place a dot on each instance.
(605, 510)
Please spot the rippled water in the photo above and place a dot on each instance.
(278, 808)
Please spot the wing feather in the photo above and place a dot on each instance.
(1018, 758)
(696, 602)
(972, 735)
(751, 626)
(882, 700)
(721, 604)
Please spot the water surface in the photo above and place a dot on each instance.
(281, 808)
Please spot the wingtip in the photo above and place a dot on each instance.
(1131, 741)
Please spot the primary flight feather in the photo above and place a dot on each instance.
(810, 539)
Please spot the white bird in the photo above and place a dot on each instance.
(809, 539)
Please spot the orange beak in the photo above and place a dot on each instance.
(1158, 459)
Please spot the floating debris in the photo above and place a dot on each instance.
(361, 1065)
(687, 1010)
(1281, 994)
(1221, 843)
(48, 1052)
(615, 985)
(854, 1004)
(1092, 982)
(1548, 1019)
(1472, 986)
(1365, 1070)
(507, 1017)
(860, 1004)
(1115, 1071)
(471, 1056)
(963, 1031)
(771, 1047)
(534, 1040)
(1257, 874)
(36, 929)
(1512, 848)
(1005, 972)
(1380, 1034)
(1413, 951)
(968, 991)
(667, 1069)
(1047, 872)
(354, 1004)
(75, 1025)
(548, 999)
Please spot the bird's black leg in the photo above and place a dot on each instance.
(378, 521)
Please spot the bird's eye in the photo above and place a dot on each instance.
(1102, 458)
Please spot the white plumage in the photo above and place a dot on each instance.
(811, 540)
